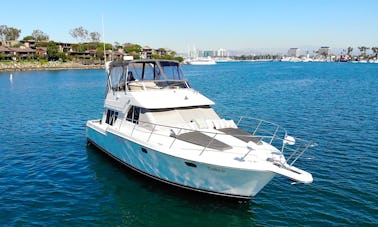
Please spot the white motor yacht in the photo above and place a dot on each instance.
(155, 123)
(202, 61)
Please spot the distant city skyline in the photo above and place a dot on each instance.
(271, 25)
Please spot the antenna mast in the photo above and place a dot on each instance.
(103, 38)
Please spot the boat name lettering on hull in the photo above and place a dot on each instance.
(215, 169)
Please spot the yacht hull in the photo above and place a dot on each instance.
(197, 176)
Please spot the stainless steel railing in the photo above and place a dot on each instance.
(265, 131)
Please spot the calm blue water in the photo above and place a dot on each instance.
(48, 176)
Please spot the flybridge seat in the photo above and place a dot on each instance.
(149, 84)
(142, 85)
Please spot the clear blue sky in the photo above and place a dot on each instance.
(207, 24)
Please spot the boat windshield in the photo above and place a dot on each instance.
(117, 77)
(154, 70)
(135, 75)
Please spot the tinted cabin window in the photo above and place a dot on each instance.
(133, 114)
(114, 118)
(111, 117)
(129, 116)
(107, 116)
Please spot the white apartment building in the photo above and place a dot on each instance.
(294, 52)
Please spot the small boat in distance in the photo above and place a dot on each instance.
(155, 123)
(201, 61)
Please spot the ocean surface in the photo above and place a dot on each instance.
(48, 175)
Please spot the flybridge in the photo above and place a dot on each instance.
(139, 78)
(145, 74)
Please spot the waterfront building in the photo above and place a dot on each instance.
(14, 53)
(9, 43)
(146, 52)
(221, 53)
(294, 52)
(325, 51)
(208, 53)
(29, 43)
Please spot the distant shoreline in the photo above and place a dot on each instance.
(44, 66)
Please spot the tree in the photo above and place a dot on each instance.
(129, 48)
(99, 53)
(3, 29)
(95, 37)
(108, 46)
(13, 34)
(180, 59)
(17, 45)
(350, 49)
(29, 37)
(79, 33)
(117, 45)
(9, 33)
(363, 50)
(52, 51)
(42, 44)
(375, 51)
(62, 56)
(39, 35)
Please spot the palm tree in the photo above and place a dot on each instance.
(363, 50)
(350, 49)
(375, 51)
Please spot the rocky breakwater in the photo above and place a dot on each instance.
(51, 65)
